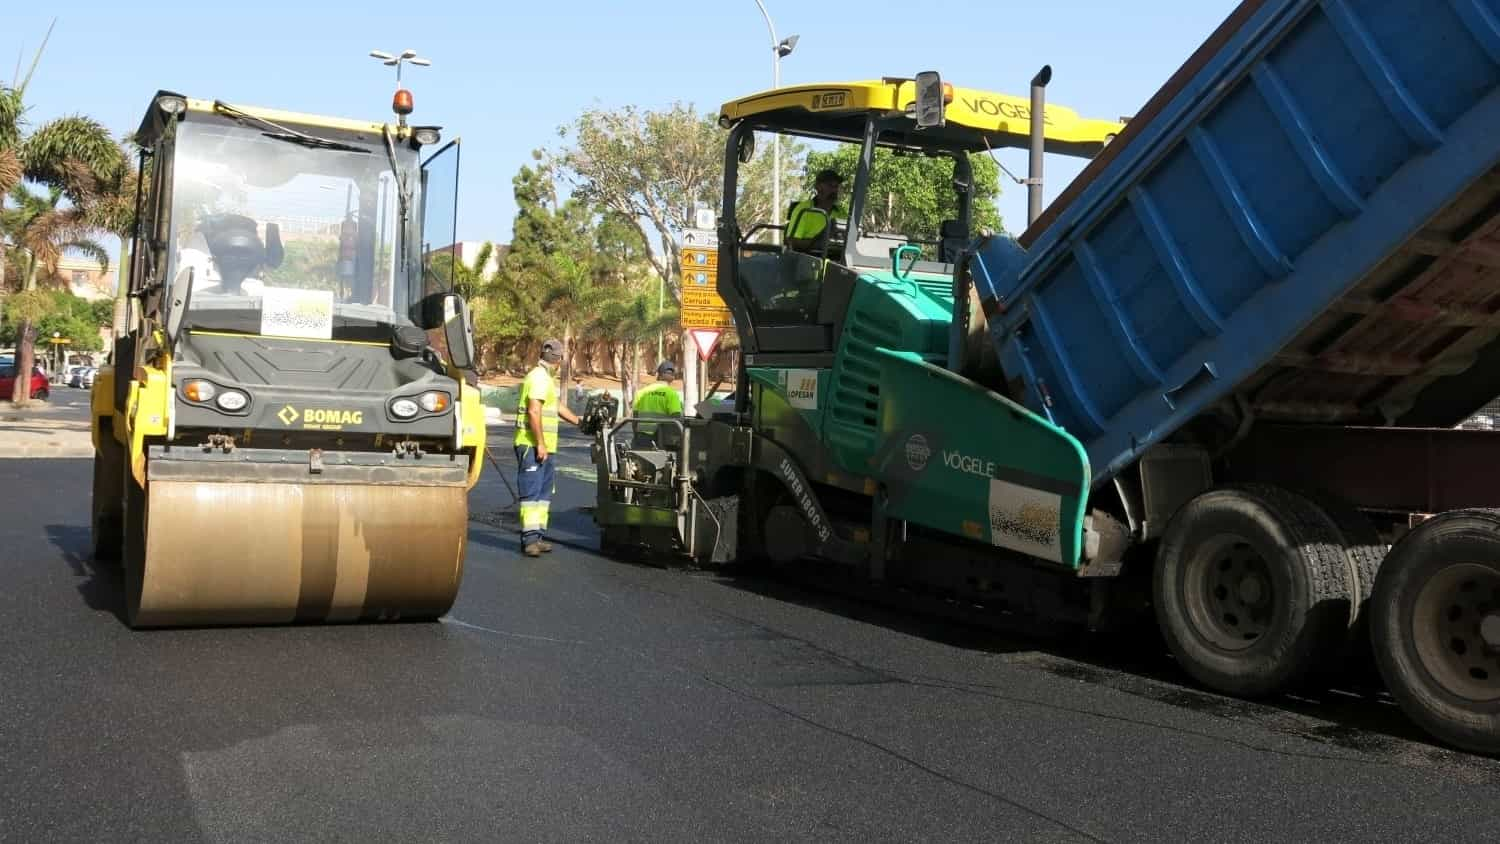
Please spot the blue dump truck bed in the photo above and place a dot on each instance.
(1304, 225)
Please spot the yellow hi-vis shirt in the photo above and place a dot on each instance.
(658, 399)
(807, 222)
(539, 385)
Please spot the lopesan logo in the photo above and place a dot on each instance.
(801, 386)
(917, 452)
(969, 464)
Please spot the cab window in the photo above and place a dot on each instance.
(782, 260)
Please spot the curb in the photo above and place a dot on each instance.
(37, 452)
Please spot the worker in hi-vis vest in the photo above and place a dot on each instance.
(806, 231)
(660, 399)
(657, 399)
(538, 408)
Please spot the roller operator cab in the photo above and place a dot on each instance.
(289, 429)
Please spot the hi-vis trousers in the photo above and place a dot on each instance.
(536, 482)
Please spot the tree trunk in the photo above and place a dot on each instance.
(25, 339)
(25, 360)
(566, 373)
(627, 389)
(634, 368)
(122, 292)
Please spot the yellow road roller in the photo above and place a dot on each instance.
(289, 427)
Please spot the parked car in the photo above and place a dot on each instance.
(75, 375)
(39, 385)
(88, 377)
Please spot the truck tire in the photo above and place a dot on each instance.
(1252, 589)
(1435, 627)
(1365, 551)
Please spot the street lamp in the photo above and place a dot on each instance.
(779, 48)
(401, 103)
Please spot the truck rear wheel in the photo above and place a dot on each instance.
(1365, 551)
(1435, 627)
(1252, 589)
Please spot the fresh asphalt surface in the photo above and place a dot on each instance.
(578, 698)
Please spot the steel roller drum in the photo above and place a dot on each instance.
(221, 553)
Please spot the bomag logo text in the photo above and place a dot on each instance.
(321, 416)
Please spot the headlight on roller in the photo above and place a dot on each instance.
(233, 400)
(403, 408)
(434, 402)
(198, 390)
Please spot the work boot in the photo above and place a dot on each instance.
(545, 546)
(534, 549)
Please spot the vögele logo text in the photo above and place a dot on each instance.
(969, 464)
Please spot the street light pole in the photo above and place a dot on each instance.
(779, 48)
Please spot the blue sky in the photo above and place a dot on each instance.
(506, 75)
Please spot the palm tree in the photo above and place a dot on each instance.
(571, 295)
(81, 162)
(40, 230)
(626, 323)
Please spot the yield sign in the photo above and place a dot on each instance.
(706, 339)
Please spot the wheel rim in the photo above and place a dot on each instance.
(1456, 629)
(1230, 594)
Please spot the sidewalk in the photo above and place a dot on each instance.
(43, 431)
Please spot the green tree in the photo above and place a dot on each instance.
(548, 272)
(912, 194)
(650, 168)
(69, 316)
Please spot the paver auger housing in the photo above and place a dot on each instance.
(287, 430)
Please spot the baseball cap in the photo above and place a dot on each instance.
(552, 350)
(666, 367)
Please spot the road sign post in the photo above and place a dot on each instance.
(705, 317)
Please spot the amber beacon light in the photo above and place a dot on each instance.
(401, 101)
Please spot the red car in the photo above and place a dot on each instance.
(8, 383)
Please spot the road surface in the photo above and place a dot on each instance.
(575, 698)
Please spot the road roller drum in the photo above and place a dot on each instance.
(217, 552)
